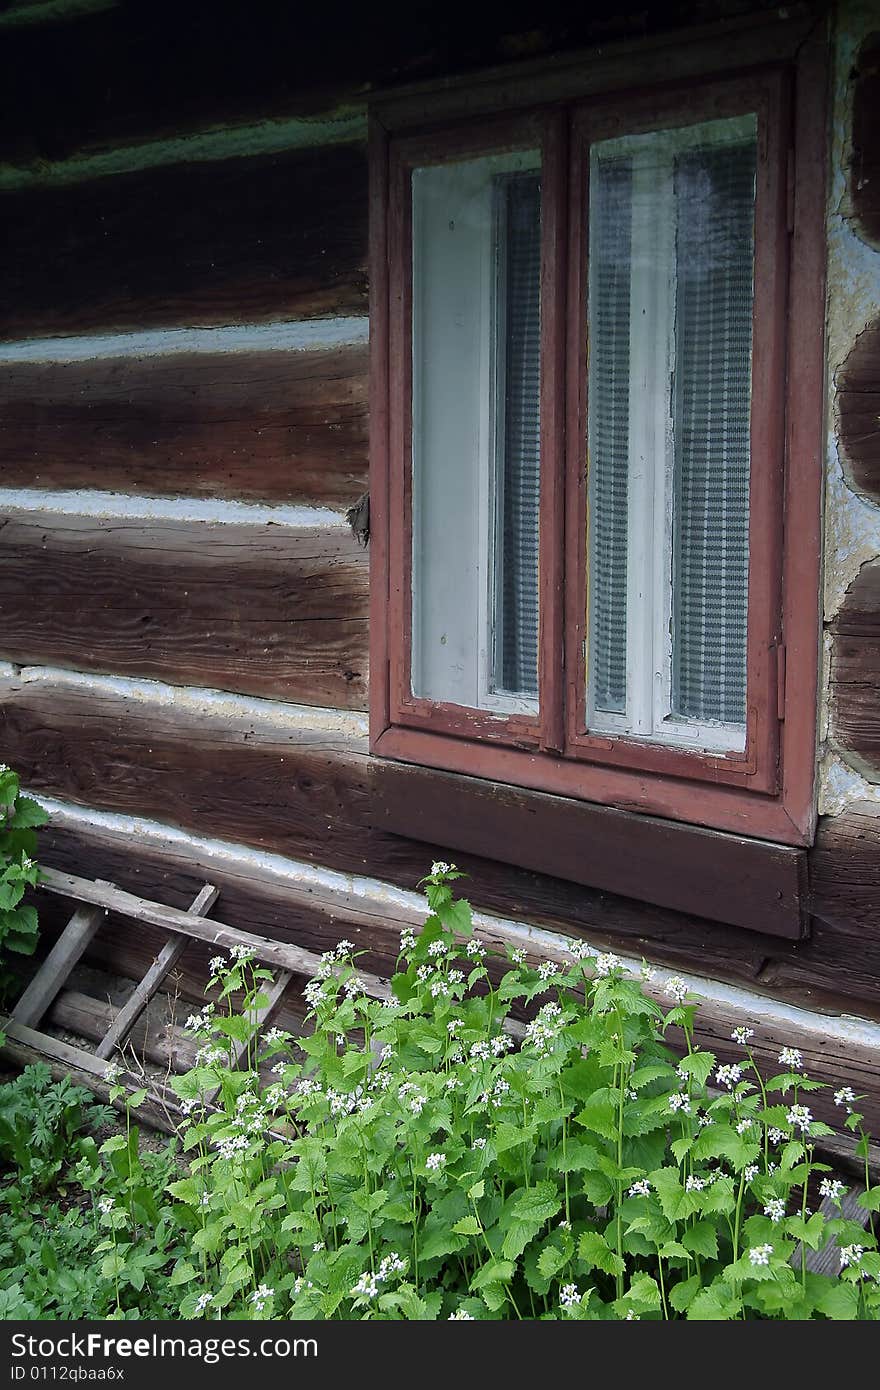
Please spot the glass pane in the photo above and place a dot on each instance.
(715, 194)
(609, 317)
(670, 288)
(476, 371)
(515, 664)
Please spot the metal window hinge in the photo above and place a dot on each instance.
(780, 681)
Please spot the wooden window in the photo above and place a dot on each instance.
(596, 435)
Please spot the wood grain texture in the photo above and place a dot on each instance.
(845, 870)
(858, 406)
(855, 672)
(258, 426)
(281, 236)
(865, 166)
(678, 866)
(261, 610)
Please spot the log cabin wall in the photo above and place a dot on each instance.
(183, 424)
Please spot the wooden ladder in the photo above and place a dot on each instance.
(95, 899)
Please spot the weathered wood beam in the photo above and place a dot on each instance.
(52, 974)
(285, 426)
(260, 610)
(190, 244)
(149, 985)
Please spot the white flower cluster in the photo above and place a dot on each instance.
(728, 1075)
(105, 1205)
(581, 950)
(518, 956)
(434, 1162)
(547, 969)
(676, 988)
(569, 1296)
(791, 1057)
(461, 1315)
(845, 1096)
(475, 949)
(775, 1209)
(760, 1254)
(544, 1029)
(368, 1284)
(777, 1136)
(439, 867)
(260, 1296)
(275, 1035)
(230, 1147)
(742, 1035)
(833, 1188)
(680, 1103)
(200, 1022)
(605, 962)
(851, 1256)
(407, 941)
(694, 1184)
(641, 1188)
(800, 1117)
(202, 1302)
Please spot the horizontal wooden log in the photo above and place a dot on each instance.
(744, 882)
(865, 167)
(261, 610)
(845, 872)
(91, 1018)
(258, 426)
(239, 240)
(156, 70)
(295, 790)
(855, 671)
(858, 406)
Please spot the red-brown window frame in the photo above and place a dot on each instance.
(768, 791)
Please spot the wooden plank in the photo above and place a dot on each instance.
(125, 1019)
(55, 969)
(260, 610)
(855, 672)
(845, 874)
(170, 1046)
(241, 777)
(190, 244)
(744, 882)
(148, 72)
(25, 1046)
(858, 408)
(280, 426)
(864, 182)
(284, 957)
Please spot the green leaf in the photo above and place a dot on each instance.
(493, 1272)
(551, 1260)
(600, 1113)
(717, 1303)
(28, 815)
(594, 1252)
(870, 1199)
(701, 1239)
(839, 1301)
(699, 1065)
(682, 1295)
(467, 1226)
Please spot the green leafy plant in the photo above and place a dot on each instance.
(427, 1157)
(20, 816)
(41, 1124)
